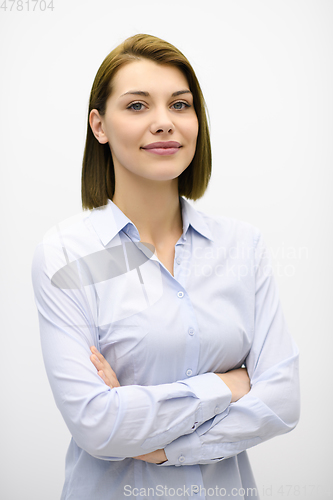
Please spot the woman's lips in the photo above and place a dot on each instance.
(163, 148)
(162, 151)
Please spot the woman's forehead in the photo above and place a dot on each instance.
(148, 76)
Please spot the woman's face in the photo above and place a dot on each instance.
(150, 103)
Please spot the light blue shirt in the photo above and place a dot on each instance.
(165, 337)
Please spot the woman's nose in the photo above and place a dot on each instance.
(162, 122)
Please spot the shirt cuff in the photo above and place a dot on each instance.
(214, 394)
(190, 450)
(191, 443)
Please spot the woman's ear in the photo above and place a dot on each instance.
(96, 124)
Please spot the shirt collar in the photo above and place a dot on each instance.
(192, 217)
(109, 220)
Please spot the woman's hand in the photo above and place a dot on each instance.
(103, 368)
(109, 377)
(238, 382)
(155, 457)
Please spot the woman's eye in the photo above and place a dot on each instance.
(180, 105)
(136, 106)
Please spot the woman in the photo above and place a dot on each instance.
(162, 332)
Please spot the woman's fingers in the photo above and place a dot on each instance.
(95, 361)
(105, 378)
(97, 353)
(103, 368)
(102, 365)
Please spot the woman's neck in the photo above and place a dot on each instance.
(153, 207)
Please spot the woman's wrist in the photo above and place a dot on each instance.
(237, 381)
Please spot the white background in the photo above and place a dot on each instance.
(266, 71)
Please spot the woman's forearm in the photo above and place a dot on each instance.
(237, 381)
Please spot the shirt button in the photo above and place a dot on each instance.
(195, 489)
(217, 409)
(178, 261)
(188, 372)
(180, 295)
(181, 459)
(190, 331)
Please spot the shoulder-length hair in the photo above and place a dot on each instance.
(98, 179)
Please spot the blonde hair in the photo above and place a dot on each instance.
(98, 180)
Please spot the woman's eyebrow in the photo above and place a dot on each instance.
(146, 94)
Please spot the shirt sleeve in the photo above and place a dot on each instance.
(272, 406)
(123, 422)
